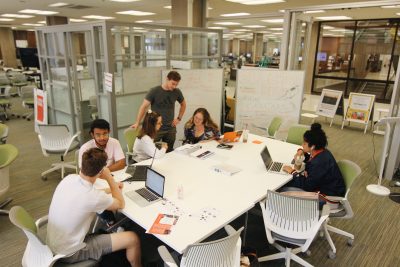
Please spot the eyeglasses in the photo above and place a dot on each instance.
(100, 135)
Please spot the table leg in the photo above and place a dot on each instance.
(246, 217)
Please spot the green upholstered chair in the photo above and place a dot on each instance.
(296, 133)
(130, 135)
(37, 252)
(18, 80)
(8, 153)
(350, 171)
(274, 126)
(3, 133)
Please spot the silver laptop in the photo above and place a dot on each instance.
(272, 166)
(152, 192)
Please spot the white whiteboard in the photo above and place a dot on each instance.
(262, 94)
(141, 79)
(200, 88)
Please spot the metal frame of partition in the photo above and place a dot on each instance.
(101, 33)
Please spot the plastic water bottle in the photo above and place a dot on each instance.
(245, 134)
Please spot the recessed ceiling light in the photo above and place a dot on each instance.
(60, 4)
(235, 14)
(227, 23)
(6, 19)
(275, 29)
(256, 2)
(217, 28)
(398, 14)
(42, 22)
(328, 27)
(144, 21)
(333, 18)
(209, 8)
(273, 20)
(314, 11)
(38, 12)
(135, 13)
(17, 16)
(124, 1)
(168, 7)
(32, 24)
(13, 28)
(97, 17)
(392, 6)
(254, 26)
(242, 30)
(77, 20)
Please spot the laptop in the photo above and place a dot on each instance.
(272, 166)
(137, 173)
(152, 192)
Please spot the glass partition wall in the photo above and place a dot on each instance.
(74, 58)
(357, 56)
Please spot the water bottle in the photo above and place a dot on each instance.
(298, 162)
(245, 134)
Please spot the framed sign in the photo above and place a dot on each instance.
(329, 102)
(359, 109)
(40, 105)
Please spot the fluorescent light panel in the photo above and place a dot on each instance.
(77, 20)
(97, 17)
(253, 26)
(32, 24)
(272, 20)
(59, 4)
(168, 7)
(256, 2)
(18, 16)
(42, 22)
(144, 21)
(235, 14)
(38, 12)
(217, 28)
(333, 18)
(135, 13)
(276, 29)
(314, 11)
(227, 23)
(392, 6)
(6, 19)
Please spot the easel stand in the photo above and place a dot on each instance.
(357, 121)
(379, 189)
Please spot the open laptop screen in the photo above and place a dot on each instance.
(155, 182)
(266, 157)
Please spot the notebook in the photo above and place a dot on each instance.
(152, 192)
(272, 166)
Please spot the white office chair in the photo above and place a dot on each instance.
(56, 139)
(224, 252)
(291, 220)
(350, 171)
(27, 100)
(37, 252)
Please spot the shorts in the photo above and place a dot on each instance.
(96, 246)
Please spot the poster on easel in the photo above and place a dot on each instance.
(359, 109)
(40, 105)
(329, 102)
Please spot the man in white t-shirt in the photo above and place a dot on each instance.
(100, 132)
(73, 207)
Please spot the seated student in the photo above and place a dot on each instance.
(74, 205)
(200, 127)
(321, 170)
(100, 132)
(144, 147)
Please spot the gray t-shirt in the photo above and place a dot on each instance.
(163, 102)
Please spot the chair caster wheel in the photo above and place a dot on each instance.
(44, 178)
(350, 242)
(18, 116)
(331, 254)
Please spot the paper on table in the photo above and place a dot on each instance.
(163, 224)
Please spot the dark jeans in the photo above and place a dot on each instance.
(168, 136)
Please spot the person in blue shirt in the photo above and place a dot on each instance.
(321, 173)
(200, 127)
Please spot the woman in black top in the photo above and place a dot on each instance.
(200, 127)
(321, 170)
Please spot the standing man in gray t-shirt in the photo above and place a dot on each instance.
(162, 100)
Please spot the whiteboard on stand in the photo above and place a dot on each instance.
(200, 88)
(262, 94)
